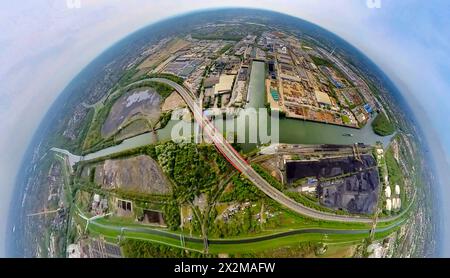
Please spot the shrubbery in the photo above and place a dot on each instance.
(382, 126)
(143, 249)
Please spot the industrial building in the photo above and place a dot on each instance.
(225, 84)
(322, 98)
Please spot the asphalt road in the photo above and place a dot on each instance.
(241, 164)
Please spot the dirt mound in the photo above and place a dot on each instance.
(137, 174)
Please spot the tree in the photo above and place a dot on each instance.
(382, 126)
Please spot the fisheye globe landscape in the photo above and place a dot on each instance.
(231, 133)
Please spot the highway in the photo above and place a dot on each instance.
(242, 166)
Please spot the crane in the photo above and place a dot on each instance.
(44, 212)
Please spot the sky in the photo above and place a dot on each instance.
(45, 43)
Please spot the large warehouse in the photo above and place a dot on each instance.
(225, 84)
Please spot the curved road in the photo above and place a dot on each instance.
(241, 164)
(151, 231)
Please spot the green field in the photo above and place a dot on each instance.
(234, 249)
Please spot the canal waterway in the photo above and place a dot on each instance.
(291, 131)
